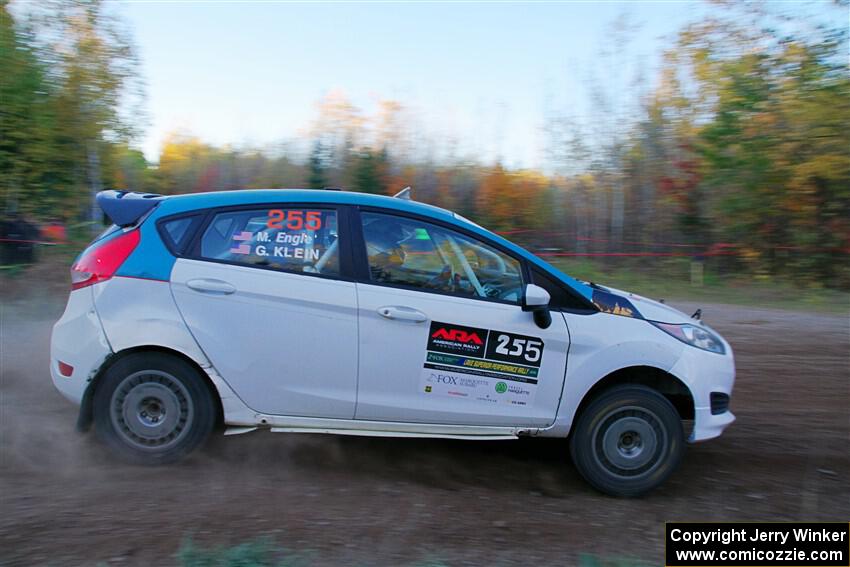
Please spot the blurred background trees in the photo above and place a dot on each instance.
(739, 151)
(70, 105)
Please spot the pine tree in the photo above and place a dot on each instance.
(317, 178)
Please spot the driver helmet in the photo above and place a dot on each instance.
(383, 243)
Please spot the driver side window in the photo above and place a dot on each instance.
(413, 253)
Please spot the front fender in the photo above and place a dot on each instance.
(601, 344)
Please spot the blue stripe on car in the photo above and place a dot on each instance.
(151, 259)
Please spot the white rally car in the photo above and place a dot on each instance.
(337, 312)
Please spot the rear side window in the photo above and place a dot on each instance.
(176, 232)
(304, 240)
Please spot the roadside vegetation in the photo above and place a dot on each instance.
(735, 151)
(262, 552)
(670, 279)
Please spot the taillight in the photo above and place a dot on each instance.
(100, 262)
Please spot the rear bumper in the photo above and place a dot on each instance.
(78, 341)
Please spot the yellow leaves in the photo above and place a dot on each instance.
(588, 180)
(828, 167)
(181, 147)
(749, 255)
(182, 160)
(343, 126)
(795, 52)
(511, 199)
(703, 65)
(390, 126)
(339, 119)
(495, 195)
(445, 198)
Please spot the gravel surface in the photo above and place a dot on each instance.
(369, 501)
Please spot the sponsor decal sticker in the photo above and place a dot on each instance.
(294, 219)
(243, 236)
(455, 339)
(294, 240)
(482, 365)
(614, 304)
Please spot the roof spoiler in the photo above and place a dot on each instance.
(125, 208)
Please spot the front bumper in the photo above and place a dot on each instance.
(708, 426)
(706, 372)
(77, 340)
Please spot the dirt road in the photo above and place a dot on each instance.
(64, 501)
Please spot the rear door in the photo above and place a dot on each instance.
(443, 337)
(263, 291)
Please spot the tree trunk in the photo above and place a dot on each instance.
(94, 183)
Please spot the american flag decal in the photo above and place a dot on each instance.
(243, 236)
(241, 249)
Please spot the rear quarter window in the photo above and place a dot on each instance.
(176, 232)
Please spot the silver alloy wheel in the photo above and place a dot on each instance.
(629, 442)
(151, 410)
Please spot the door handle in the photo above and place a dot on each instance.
(402, 314)
(211, 286)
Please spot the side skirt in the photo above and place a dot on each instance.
(286, 424)
(370, 433)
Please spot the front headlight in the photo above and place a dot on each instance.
(694, 335)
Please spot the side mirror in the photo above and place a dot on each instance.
(536, 299)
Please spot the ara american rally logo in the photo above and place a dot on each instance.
(456, 339)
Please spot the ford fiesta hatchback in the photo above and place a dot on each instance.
(338, 312)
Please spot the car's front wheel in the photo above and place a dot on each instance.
(153, 408)
(627, 441)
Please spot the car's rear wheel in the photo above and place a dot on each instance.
(153, 408)
(627, 441)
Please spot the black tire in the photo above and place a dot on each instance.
(627, 441)
(153, 408)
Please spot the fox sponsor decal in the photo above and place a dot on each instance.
(482, 365)
(474, 388)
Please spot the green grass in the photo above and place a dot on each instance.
(586, 560)
(262, 552)
(670, 279)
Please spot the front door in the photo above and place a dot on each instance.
(443, 337)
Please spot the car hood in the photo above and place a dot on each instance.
(650, 309)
